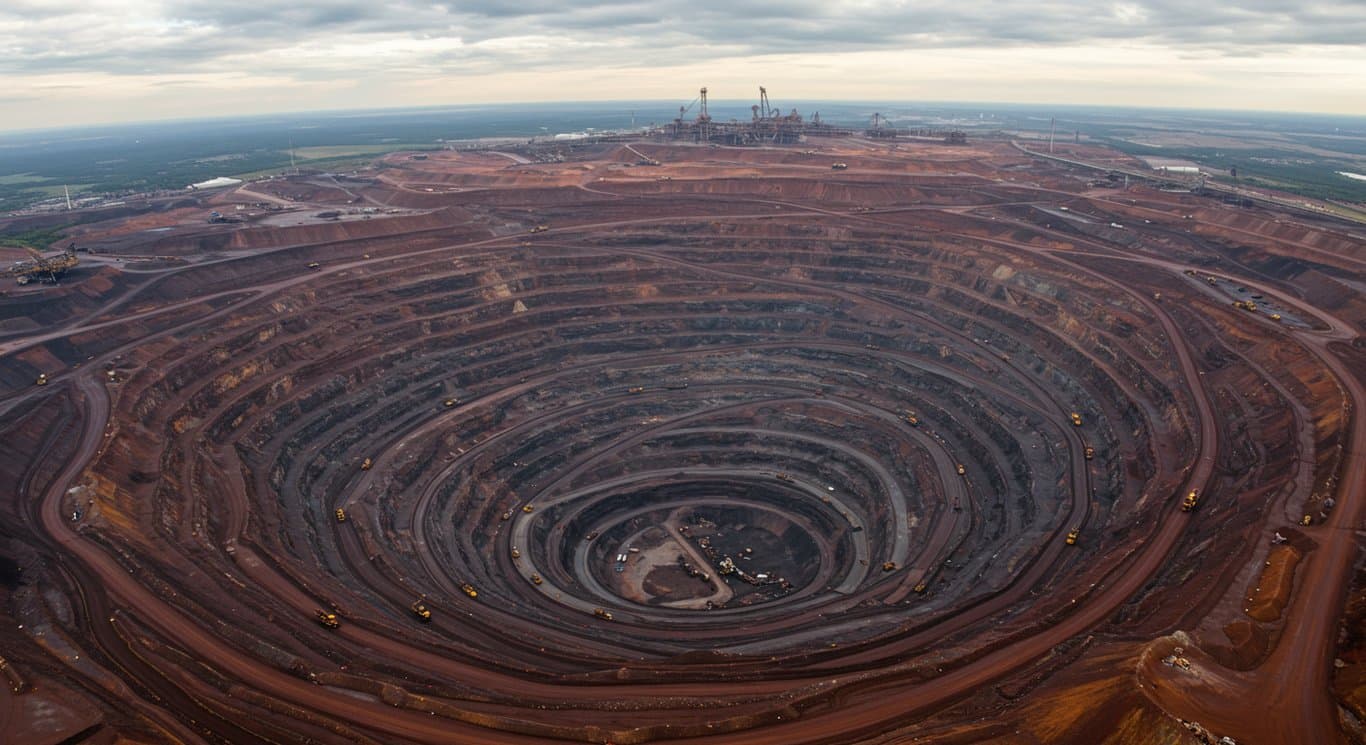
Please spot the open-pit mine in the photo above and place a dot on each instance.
(849, 441)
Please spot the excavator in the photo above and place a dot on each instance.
(41, 268)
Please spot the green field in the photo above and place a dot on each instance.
(39, 240)
(14, 179)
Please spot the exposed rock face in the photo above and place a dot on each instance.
(756, 452)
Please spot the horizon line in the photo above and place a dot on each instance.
(670, 102)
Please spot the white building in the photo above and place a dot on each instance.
(215, 183)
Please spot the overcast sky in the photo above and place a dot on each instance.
(67, 62)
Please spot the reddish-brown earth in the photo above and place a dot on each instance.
(737, 358)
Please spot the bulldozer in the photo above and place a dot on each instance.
(328, 619)
(49, 269)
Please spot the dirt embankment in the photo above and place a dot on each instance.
(31, 309)
(348, 230)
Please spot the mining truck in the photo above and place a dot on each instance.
(328, 619)
(1190, 501)
(420, 609)
(1072, 536)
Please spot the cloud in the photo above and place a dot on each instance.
(65, 61)
(311, 37)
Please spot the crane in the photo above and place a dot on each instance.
(683, 110)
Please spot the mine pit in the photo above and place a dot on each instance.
(663, 461)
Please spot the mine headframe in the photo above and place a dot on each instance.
(771, 125)
(879, 128)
